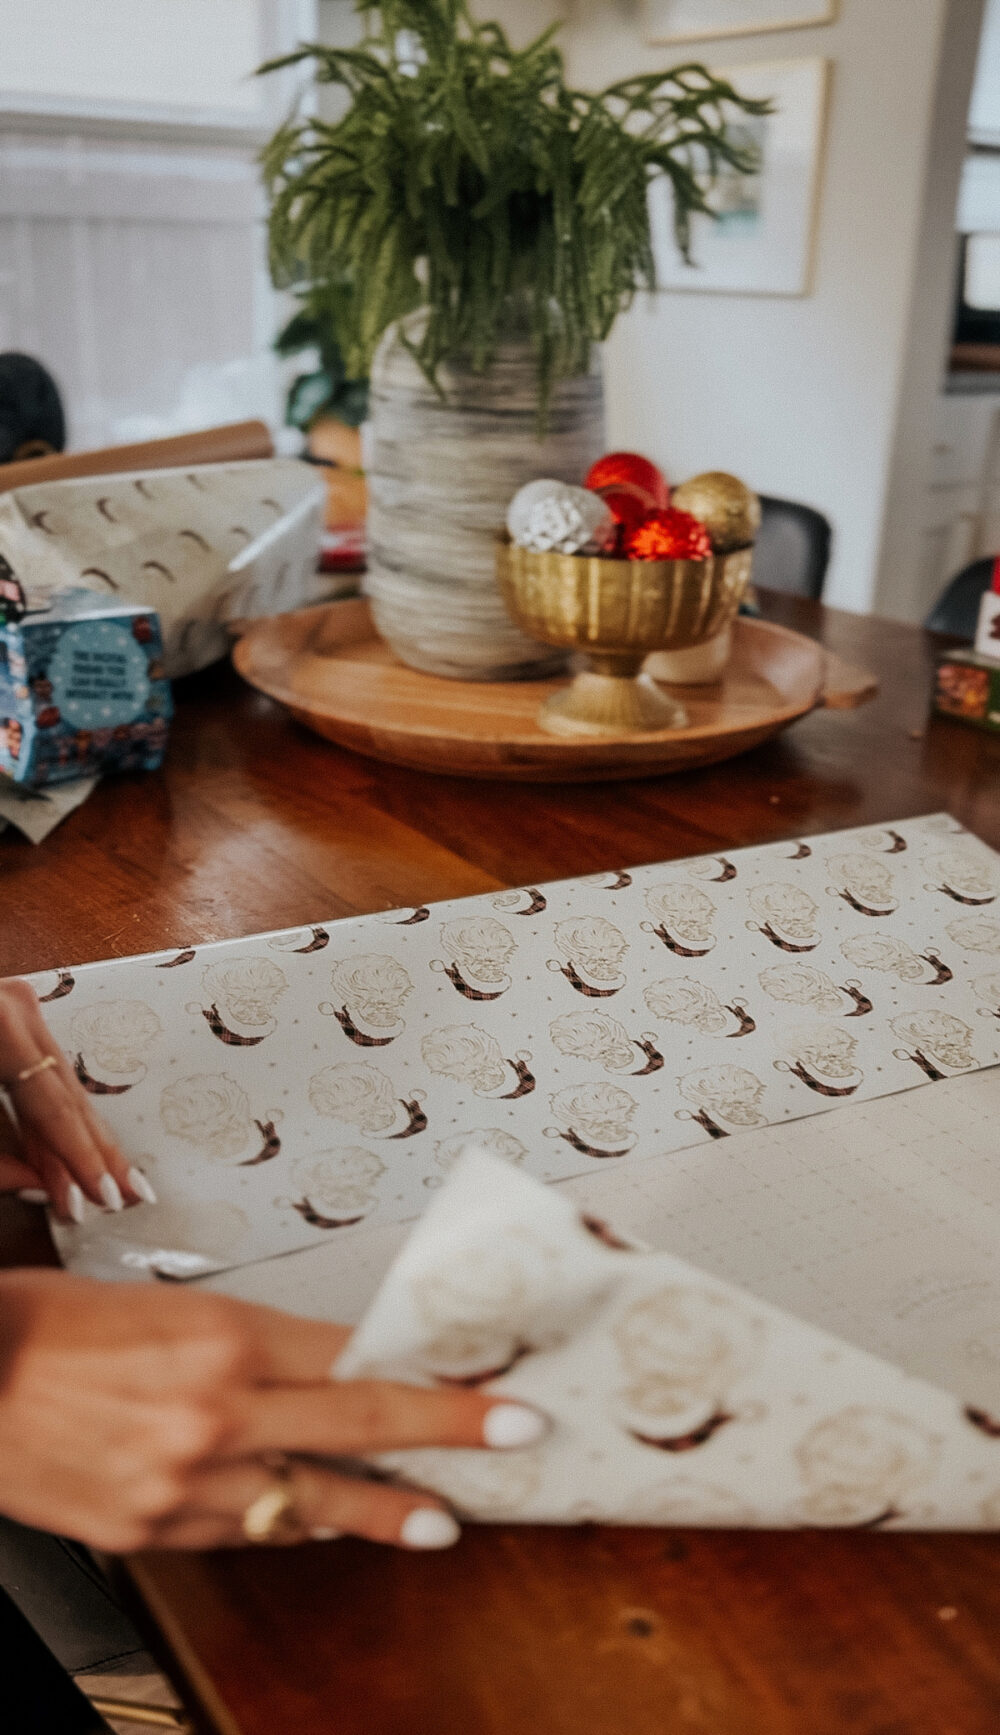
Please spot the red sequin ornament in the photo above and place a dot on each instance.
(669, 535)
(632, 472)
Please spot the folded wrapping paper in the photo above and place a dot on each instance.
(36, 812)
(202, 546)
(675, 1398)
(291, 1087)
(878, 1222)
(294, 1086)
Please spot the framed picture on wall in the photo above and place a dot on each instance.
(760, 241)
(700, 20)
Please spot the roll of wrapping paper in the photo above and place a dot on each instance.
(224, 445)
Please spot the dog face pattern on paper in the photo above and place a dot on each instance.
(111, 1040)
(628, 1014)
(336, 1188)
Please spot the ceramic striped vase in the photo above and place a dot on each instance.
(442, 469)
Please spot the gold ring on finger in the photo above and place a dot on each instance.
(42, 1065)
(272, 1516)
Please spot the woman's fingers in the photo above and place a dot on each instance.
(52, 1105)
(16, 1177)
(47, 1108)
(16, 1173)
(24, 1168)
(324, 1503)
(65, 1195)
(121, 1188)
(289, 1350)
(53, 1178)
(355, 1417)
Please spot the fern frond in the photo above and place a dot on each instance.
(466, 178)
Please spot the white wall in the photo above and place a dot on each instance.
(178, 53)
(799, 395)
(984, 109)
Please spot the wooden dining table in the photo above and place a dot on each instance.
(256, 824)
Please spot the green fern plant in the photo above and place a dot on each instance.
(468, 179)
(326, 389)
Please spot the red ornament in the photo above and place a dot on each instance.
(629, 470)
(627, 510)
(669, 535)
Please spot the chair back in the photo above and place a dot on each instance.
(37, 1694)
(792, 551)
(957, 608)
(32, 421)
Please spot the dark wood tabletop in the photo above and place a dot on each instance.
(255, 824)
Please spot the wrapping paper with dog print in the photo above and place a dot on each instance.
(675, 1398)
(295, 1086)
(203, 546)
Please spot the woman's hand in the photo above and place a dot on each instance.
(59, 1145)
(134, 1416)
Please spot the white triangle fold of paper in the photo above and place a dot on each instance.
(675, 1398)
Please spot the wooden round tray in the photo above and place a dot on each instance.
(337, 676)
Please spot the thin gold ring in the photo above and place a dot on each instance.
(39, 1066)
(273, 1512)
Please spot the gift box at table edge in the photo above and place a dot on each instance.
(82, 690)
(201, 546)
(974, 681)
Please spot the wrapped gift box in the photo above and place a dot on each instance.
(967, 686)
(204, 547)
(82, 690)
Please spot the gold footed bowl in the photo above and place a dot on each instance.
(615, 612)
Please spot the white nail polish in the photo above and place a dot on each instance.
(33, 1196)
(513, 1425)
(75, 1203)
(139, 1184)
(429, 1527)
(323, 1533)
(111, 1193)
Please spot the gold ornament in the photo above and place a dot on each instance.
(729, 510)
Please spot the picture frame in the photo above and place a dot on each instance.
(762, 241)
(706, 20)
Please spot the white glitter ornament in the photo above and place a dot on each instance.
(548, 515)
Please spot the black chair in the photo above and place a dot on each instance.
(792, 551)
(58, 1618)
(32, 420)
(59, 1588)
(957, 608)
(37, 1695)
